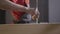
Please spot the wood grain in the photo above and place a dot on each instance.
(30, 29)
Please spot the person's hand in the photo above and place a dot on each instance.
(34, 13)
(31, 11)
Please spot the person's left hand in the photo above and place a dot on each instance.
(36, 15)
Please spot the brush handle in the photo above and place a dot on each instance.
(36, 11)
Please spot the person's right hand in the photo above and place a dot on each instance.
(31, 11)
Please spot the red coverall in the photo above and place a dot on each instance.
(17, 14)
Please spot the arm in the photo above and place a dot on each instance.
(28, 3)
(8, 5)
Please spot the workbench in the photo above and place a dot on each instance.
(29, 29)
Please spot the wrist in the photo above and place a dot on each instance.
(27, 9)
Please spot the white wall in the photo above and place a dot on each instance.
(54, 10)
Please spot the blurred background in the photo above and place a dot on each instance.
(49, 11)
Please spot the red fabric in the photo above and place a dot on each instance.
(17, 14)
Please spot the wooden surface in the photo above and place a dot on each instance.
(30, 29)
